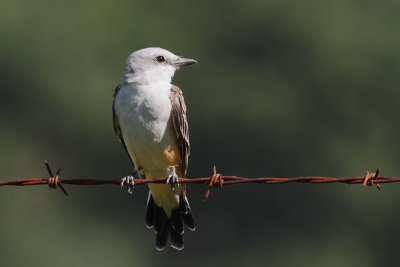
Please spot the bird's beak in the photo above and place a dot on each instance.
(180, 62)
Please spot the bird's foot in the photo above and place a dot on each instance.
(129, 181)
(172, 177)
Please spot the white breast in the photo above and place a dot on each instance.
(144, 116)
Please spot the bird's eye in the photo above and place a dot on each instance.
(160, 59)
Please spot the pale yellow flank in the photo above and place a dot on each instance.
(162, 193)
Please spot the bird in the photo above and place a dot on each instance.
(149, 117)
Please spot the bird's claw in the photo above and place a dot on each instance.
(172, 178)
(129, 181)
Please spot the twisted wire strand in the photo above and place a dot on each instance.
(216, 180)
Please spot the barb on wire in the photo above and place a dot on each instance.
(54, 181)
(216, 180)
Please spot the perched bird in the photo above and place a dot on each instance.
(149, 116)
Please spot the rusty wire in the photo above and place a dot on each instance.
(216, 180)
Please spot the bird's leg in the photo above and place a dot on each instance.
(129, 181)
(172, 177)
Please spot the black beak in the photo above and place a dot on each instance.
(180, 62)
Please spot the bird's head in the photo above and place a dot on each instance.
(153, 64)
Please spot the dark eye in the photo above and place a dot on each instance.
(160, 59)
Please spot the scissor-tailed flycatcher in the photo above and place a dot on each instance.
(149, 116)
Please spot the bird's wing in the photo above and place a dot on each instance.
(178, 114)
(117, 128)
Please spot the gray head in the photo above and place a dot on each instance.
(153, 64)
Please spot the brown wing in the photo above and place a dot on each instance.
(179, 120)
(117, 128)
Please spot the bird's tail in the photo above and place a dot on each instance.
(172, 226)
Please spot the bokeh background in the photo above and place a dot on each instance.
(282, 88)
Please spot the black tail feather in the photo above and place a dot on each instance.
(176, 221)
(150, 211)
(160, 219)
(182, 204)
(162, 238)
(173, 227)
(186, 212)
(188, 220)
(176, 239)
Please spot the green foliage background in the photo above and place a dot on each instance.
(282, 88)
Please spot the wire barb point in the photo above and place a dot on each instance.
(54, 181)
(371, 178)
(215, 180)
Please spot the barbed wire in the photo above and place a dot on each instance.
(215, 180)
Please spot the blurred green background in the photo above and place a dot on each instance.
(282, 88)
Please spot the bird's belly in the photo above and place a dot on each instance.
(151, 155)
(150, 137)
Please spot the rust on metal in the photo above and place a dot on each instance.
(216, 180)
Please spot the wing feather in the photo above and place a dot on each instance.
(181, 127)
